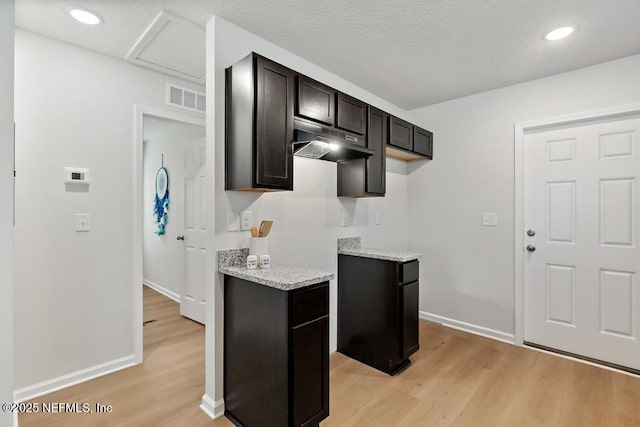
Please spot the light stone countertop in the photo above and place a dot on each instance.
(281, 277)
(352, 246)
(381, 254)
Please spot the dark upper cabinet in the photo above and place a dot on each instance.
(409, 142)
(401, 134)
(423, 142)
(366, 177)
(259, 125)
(377, 137)
(351, 114)
(315, 101)
(262, 100)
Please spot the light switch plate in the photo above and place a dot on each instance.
(490, 219)
(82, 222)
(377, 220)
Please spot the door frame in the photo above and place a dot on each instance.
(520, 131)
(139, 112)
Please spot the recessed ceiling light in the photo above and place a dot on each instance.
(84, 16)
(560, 33)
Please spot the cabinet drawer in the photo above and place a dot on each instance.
(309, 304)
(408, 272)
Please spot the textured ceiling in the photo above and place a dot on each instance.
(410, 52)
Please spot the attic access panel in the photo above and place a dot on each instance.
(172, 45)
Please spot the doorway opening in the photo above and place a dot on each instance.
(169, 210)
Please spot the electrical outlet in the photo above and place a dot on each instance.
(246, 220)
(233, 222)
(345, 218)
(490, 219)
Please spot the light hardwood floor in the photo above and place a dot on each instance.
(456, 379)
(165, 390)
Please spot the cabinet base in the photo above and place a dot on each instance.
(401, 367)
(387, 370)
(233, 419)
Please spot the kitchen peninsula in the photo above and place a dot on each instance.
(377, 305)
(276, 343)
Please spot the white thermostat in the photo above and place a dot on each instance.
(76, 176)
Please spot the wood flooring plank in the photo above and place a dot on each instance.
(167, 388)
(455, 379)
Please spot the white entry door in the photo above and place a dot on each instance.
(581, 201)
(192, 300)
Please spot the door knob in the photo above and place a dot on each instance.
(180, 238)
(531, 233)
(531, 248)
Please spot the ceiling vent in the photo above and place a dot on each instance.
(172, 45)
(186, 98)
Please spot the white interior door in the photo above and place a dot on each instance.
(192, 300)
(581, 282)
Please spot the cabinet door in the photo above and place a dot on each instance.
(351, 115)
(401, 134)
(315, 101)
(310, 365)
(423, 142)
(275, 89)
(377, 137)
(409, 319)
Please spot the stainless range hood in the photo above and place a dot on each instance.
(316, 141)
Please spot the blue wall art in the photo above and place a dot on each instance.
(161, 202)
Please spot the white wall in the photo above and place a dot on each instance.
(74, 291)
(467, 270)
(163, 255)
(307, 221)
(6, 207)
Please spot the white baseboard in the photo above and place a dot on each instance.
(164, 291)
(212, 408)
(68, 380)
(468, 327)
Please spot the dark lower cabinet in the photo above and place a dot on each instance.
(409, 328)
(310, 349)
(378, 311)
(276, 354)
(259, 125)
